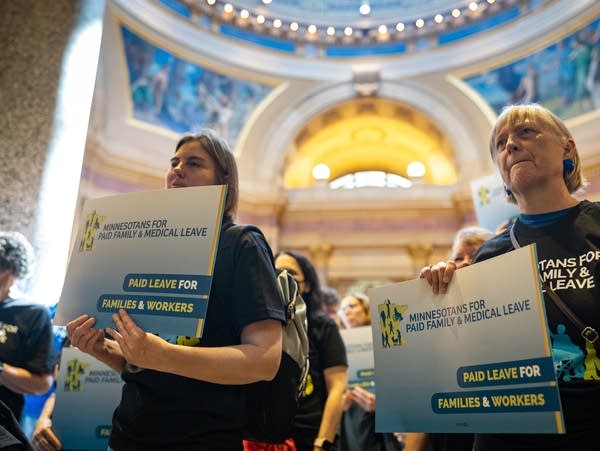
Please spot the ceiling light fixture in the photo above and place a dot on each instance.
(321, 172)
(415, 169)
(365, 9)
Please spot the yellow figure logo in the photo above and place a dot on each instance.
(591, 362)
(75, 369)
(390, 319)
(310, 387)
(187, 341)
(483, 193)
(92, 225)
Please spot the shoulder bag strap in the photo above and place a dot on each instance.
(588, 333)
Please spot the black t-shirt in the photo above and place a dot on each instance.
(160, 411)
(26, 341)
(326, 350)
(569, 261)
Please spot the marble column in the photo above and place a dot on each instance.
(319, 255)
(36, 37)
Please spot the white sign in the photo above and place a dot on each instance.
(87, 393)
(477, 359)
(150, 253)
(359, 351)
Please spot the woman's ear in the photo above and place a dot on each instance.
(307, 287)
(569, 148)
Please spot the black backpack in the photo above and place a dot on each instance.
(272, 405)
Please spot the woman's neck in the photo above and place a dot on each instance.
(539, 202)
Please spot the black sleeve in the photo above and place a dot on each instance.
(333, 352)
(40, 342)
(497, 245)
(256, 294)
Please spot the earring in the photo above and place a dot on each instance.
(507, 190)
(568, 165)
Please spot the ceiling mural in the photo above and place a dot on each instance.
(183, 96)
(564, 76)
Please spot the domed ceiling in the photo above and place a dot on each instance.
(346, 28)
(370, 135)
(199, 63)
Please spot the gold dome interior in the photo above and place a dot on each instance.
(370, 135)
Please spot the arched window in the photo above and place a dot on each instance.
(370, 179)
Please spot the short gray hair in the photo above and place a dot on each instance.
(471, 236)
(16, 254)
(538, 114)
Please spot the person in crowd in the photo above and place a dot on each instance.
(12, 437)
(27, 354)
(354, 310)
(357, 430)
(35, 403)
(538, 160)
(467, 242)
(192, 396)
(331, 303)
(44, 438)
(320, 409)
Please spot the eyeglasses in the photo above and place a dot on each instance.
(345, 308)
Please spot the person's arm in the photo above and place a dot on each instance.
(20, 380)
(416, 441)
(336, 378)
(91, 341)
(255, 359)
(43, 437)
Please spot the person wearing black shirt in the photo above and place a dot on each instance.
(185, 393)
(539, 163)
(27, 355)
(320, 408)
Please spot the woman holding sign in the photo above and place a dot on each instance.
(540, 166)
(186, 393)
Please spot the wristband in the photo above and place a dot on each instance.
(323, 443)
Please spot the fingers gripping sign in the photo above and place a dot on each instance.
(439, 275)
(364, 398)
(83, 335)
(139, 347)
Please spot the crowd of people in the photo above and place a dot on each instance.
(192, 396)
